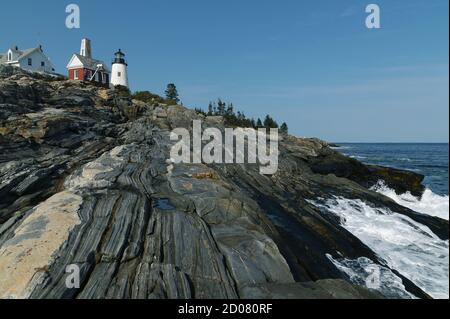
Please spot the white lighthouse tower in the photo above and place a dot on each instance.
(119, 74)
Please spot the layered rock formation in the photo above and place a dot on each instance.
(85, 180)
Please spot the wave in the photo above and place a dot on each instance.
(430, 203)
(405, 245)
(358, 157)
(364, 272)
(341, 147)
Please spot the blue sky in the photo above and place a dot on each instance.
(313, 64)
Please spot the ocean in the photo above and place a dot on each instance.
(430, 160)
(404, 244)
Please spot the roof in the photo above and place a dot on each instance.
(21, 54)
(90, 63)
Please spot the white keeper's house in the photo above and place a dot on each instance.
(32, 59)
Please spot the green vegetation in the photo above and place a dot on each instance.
(219, 108)
(149, 97)
(122, 91)
(172, 93)
(284, 129)
(238, 119)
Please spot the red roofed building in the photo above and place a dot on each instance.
(82, 67)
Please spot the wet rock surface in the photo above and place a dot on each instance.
(85, 180)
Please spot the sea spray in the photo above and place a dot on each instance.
(430, 203)
(361, 270)
(405, 245)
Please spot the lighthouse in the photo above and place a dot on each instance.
(119, 74)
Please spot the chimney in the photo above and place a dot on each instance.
(86, 48)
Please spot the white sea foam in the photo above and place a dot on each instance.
(430, 203)
(405, 245)
(341, 147)
(365, 272)
(359, 157)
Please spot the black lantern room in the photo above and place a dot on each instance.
(119, 57)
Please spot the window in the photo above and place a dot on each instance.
(42, 63)
(119, 74)
(9, 56)
(75, 74)
(30, 62)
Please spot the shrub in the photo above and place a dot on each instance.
(122, 91)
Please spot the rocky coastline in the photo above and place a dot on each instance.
(84, 180)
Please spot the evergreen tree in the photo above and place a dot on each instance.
(230, 110)
(210, 109)
(172, 93)
(270, 122)
(284, 129)
(267, 121)
(238, 119)
(221, 107)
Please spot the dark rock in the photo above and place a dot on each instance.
(331, 162)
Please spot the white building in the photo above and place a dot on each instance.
(119, 73)
(32, 59)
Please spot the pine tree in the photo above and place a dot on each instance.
(238, 119)
(221, 107)
(267, 121)
(230, 110)
(284, 129)
(172, 93)
(270, 122)
(210, 109)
